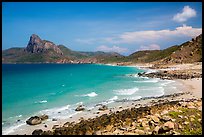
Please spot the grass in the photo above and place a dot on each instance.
(193, 127)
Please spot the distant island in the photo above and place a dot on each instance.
(44, 51)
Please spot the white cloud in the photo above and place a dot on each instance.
(154, 35)
(185, 14)
(150, 47)
(111, 49)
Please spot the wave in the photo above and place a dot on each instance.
(166, 82)
(148, 81)
(126, 91)
(11, 129)
(92, 94)
(156, 91)
(111, 100)
(41, 101)
(134, 98)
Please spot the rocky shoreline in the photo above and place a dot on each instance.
(170, 75)
(160, 117)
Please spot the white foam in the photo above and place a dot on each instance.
(19, 116)
(11, 129)
(41, 101)
(159, 91)
(79, 103)
(54, 110)
(166, 82)
(148, 81)
(92, 94)
(126, 91)
(111, 100)
(134, 98)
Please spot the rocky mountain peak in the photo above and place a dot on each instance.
(36, 45)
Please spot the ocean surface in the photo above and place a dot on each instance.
(57, 89)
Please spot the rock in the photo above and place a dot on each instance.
(55, 126)
(165, 118)
(192, 119)
(97, 132)
(156, 130)
(179, 126)
(47, 132)
(45, 125)
(164, 112)
(36, 45)
(109, 127)
(168, 126)
(37, 132)
(88, 132)
(54, 119)
(34, 120)
(80, 108)
(155, 119)
(140, 132)
(102, 108)
(43, 117)
(186, 123)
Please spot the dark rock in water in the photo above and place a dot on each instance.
(104, 107)
(80, 108)
(37, 132)
(54, 119)
(44, 117)
(34, 120)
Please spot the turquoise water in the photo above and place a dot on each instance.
(57, 89)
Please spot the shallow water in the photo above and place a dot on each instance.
(57, 89)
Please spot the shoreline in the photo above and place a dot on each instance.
(196, 91)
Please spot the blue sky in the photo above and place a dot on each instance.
(124, 27)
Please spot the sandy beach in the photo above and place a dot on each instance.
(192, 88)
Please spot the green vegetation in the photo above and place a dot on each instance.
(190, 121)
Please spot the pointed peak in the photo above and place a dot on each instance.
(34, 36)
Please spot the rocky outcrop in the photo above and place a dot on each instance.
(36, 45)
(145, 120)
(80, 108)
(35, 120)
(172, 75)
(103, 107)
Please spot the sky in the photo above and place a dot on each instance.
(123, 27)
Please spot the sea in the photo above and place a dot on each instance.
(57, 89)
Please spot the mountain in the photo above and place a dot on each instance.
(44, 51)
(188, 52)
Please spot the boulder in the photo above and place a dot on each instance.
(165, 118)
(34, 120)
(168, 125)
(43, 117)
(155, 119)
(37, 132)
(80, 108)
(102, 108)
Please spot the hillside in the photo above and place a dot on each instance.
(188, 52)
(43, 51)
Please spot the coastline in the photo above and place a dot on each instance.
(194, 87)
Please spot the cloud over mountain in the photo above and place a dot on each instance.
(186, 14)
